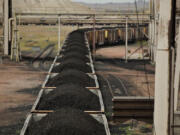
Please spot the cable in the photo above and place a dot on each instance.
(145, 70)
(144, 64)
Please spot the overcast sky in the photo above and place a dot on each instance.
(103, 1)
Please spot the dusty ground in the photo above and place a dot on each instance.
(134, 51)
(134, 78)
(18, 90)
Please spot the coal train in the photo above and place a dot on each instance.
(70, 101)
(111, 36)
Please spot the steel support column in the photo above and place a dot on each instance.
(162, 79)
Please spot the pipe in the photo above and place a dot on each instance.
(126, 46)
(59, 34)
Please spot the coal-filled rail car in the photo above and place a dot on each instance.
(70, 101)
(114, 36)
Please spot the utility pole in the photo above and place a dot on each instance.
(163, 80)
(59, 34)
(149, 40)
(126, 46)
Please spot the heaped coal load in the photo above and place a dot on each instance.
(71, 76)
(71, 53)
(72, 64)
(75, 55)
(70, 95)
(80, 39)
(75, 49)
(75, 42)
(69, 45)
(71, 40)
(76, 35)
(67, 121)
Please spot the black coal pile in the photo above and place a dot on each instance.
(76, 36)
(73, 52)
(79, 40)
(72, 64)
(70, 95)
(71, 76)
(71, 44)
(67, 47)
(75, 49)
(74, 55)
(73, 41)
(67, 121)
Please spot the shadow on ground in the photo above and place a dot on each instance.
(15, 129)
(138, 65)
(32, 91)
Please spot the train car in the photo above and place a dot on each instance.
(113, 36)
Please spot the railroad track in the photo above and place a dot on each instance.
(124, 106)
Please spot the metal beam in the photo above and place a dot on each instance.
(80, 14)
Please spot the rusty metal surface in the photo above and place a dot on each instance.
(133, 107)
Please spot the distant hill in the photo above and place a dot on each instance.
(68, 6)
(47, 6)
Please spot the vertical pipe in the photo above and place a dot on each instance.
(19, 37)
(155, 29)
(6, 27)
(149, 42)
(126, 45)
(172, 91)
(172, 42)
(59, 34)
(152, 43)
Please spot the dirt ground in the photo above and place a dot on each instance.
(19, 85)
(117, 78)
(134, 78)
(134, 51)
